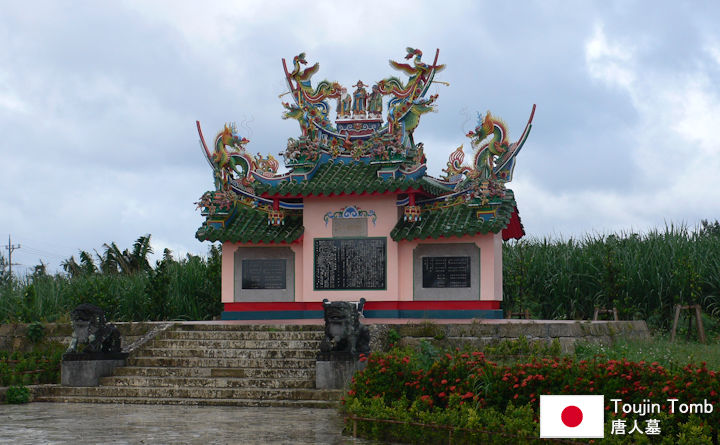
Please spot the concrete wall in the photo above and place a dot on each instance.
(386, 213)
(13, 336)
(444, 250)
(254, 253)
(479, 335)
(227, 287)
(490, 246)
(400, 280)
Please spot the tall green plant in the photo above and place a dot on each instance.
(644, 276)
(122, 284)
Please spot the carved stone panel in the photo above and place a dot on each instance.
(446, 272)
(350, 263)
(264, 274)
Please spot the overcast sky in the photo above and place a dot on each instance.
(98, 102)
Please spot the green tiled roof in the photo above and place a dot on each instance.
(251, 225)
(457, 220)
(337, 178)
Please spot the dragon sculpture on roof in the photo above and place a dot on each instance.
(493, 160)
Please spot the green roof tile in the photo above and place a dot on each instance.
(337, 178)
(457, 220)
(251, 225)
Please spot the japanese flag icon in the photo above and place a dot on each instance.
(576, 417)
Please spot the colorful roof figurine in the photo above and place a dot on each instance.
(361, 153)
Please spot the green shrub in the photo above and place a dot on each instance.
(40, 365)
(17, 394)
(36, 331)
(393, 337)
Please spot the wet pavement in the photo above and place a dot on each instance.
(81, 423)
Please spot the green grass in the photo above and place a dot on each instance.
(673, 356)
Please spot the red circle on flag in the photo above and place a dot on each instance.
(571, 416)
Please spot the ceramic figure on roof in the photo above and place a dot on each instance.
(311, 107)
(267, 167)
(359, 115)
(228, 156)
(493, 160)
(300, 115)
(455, 169)
(359, 100)
(303, 90)
(409, 103)
(344, 106)
(375, 103)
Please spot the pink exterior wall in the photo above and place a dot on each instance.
(399, 255)
(227, 285)
(490, 264)
(387, 216)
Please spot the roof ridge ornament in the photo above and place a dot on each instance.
(360, 128)
(493, 160)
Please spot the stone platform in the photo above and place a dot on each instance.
(456, 332)
(273, 362)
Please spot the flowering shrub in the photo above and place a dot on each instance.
(462, 384)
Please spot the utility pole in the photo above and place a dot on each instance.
(10, 248)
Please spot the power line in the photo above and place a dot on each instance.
(10, 248)
(35, 251)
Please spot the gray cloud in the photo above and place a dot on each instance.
(98, 103)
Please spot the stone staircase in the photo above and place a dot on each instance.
(204, 364)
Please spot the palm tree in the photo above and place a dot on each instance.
(107, 262)
(139, 255)
(131, 262)
(71, 267)
(86, 263)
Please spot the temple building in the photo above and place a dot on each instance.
(356, 215)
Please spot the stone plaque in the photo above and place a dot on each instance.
(263, 274)
(446, 271)
(350, 263)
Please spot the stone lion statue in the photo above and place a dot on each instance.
(90, 328)
(343, 331)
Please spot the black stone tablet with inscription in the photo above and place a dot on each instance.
(350, 263)
(264, 273)
(446, 271)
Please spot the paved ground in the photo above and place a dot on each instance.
(389, 321)
(80, 423)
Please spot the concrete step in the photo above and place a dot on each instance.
(242, 335)
(196, 393)
(201, 402)
(154, 371)
(195, 343)
(257, 373)
(212, 364)
(208, 382)
(231, 353)
(194, 362)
